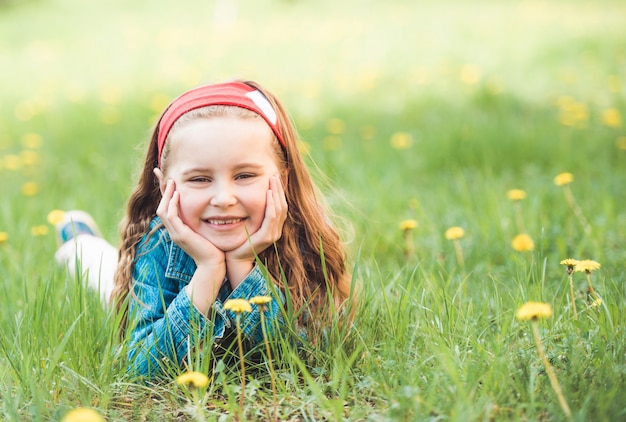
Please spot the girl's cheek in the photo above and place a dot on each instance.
(183, 207)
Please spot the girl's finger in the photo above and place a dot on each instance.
(280, 200)
(276, 210)
(165, 199)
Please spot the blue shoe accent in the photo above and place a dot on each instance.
(72, 229)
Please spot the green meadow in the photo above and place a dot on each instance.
(416, 117)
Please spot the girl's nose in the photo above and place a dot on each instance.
(223, 194)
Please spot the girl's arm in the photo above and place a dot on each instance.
(163, 322)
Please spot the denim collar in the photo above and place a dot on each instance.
(180, 266)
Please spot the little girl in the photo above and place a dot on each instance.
(223, 187)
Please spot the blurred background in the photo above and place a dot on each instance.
(406, 106)
(415, 117)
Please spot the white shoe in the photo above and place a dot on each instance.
(74, 223)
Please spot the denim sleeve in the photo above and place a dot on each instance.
(163, 323)
(255, 284)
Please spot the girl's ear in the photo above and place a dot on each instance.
(162, 181)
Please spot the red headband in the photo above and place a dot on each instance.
(231, 93)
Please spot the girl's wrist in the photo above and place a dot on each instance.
(204, 286)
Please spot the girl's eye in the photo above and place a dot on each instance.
(201, 180)
(244, 176)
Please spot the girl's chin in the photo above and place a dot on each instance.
(226, 245)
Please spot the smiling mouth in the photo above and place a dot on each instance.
(223, 222)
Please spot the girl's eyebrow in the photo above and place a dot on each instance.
(194, 170)
(248, 165)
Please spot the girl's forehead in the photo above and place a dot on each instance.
(221, 141)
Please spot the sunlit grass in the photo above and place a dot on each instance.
(416, 111)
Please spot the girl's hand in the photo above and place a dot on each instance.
(200, 249)
(204, 286)
(270, 231)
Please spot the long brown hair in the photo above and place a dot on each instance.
(308, 259)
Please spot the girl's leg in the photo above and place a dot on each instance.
(84, 251)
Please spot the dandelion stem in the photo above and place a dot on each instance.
(549, 370)
(571, 290)
(569, 196)
(269, 361)
(199, 407)
(243, 366)
(459, 254)
(591, 289)
(409, 245)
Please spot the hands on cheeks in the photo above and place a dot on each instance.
(271, 228)
(196, 246)
(239, 261)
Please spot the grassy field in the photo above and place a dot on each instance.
(428, 112)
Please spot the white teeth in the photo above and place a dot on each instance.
(224, 222)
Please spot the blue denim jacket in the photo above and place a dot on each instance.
(163, 323)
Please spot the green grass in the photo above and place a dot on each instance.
(479, 87)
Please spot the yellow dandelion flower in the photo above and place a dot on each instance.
(587, 265)
(30, 189)
(454, 233)
(32, 140)
(570, 263)
(40, 230)
(408, 225)
(332, 143)
(596, 302)
(470, 74)
(336, 126)
(29, 157)
(523, 243)
(195, 379)
(4, 236)
(611, 117)
(83, 414)
(12, 162)
(401, 140)
(516, 194)
(237, 305)
(260, 300)
(55, 217)
(573, 114)
(563, 179)
(534, 310)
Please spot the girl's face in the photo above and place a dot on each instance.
(221, 167)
